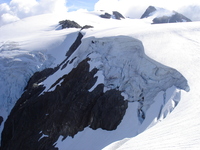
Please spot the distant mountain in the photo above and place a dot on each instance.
(148, 12)
(161, 15)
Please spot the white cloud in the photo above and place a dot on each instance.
(18, 9)
(7, 18)
(135, 8)
(191, 11)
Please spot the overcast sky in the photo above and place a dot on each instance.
(12, 10)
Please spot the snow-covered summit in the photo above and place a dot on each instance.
(161, 15)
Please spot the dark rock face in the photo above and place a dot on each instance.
(148, 12)
(69, 24)
(175, 17)
(110, 107)
(86, 27)
(1, 120)
(75, 45)
(39, 118)
(118, 15)
(106, 16)
(65, 111)
(39, 77)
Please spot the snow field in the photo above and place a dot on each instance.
(177, 46)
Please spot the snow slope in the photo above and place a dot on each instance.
(175, 45)
(42, 45)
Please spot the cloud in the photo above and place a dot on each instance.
(191, 11)
(18, 9)
(7, 18)
(135, 8)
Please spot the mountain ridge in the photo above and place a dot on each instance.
(161, 15)
(104, 51)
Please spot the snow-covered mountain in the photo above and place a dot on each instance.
(98, 88)
(161, 15)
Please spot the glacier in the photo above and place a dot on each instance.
(124, 66)
(133, 59)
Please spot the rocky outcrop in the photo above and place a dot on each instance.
(115, 15)
(1, 120)
(106, 16)
(65, 111)
(148, 12)
(73, 24)
(74, 45)
(161, 15)
(118, 15)
(69, 24)
(87, 27)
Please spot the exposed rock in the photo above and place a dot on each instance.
(109, 110)
(115, 15)
(106, 16)
(118, 15)
(86, 27)
(1, 120)
(74, 45)
(65, 111)
(148, 12)
(39, 77)
(69, 24)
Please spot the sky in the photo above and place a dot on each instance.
(81, 4)
(71, 4)
(13, 10)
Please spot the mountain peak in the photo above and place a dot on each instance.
(162, 15)
(148, 12)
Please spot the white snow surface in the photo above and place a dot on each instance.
(115, 48)
(175, 45)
